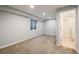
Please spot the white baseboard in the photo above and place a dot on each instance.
(10, 44)
(49, 35)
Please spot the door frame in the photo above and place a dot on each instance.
(58, 31)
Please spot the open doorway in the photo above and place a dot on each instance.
(67, 28)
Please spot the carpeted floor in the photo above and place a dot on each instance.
(43, 44)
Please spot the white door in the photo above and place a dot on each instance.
(68, 28)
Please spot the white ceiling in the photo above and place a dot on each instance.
(50, 10)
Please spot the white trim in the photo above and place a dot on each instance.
(10, 44)
(49, 34)
(58, 39)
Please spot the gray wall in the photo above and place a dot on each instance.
(14, 28)
(50, 27)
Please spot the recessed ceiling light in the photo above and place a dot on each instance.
(44, 14)
(31, 6)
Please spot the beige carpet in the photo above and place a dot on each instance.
(43, 44)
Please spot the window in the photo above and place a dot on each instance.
(33, 25)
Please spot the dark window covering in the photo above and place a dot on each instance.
(33, 25)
